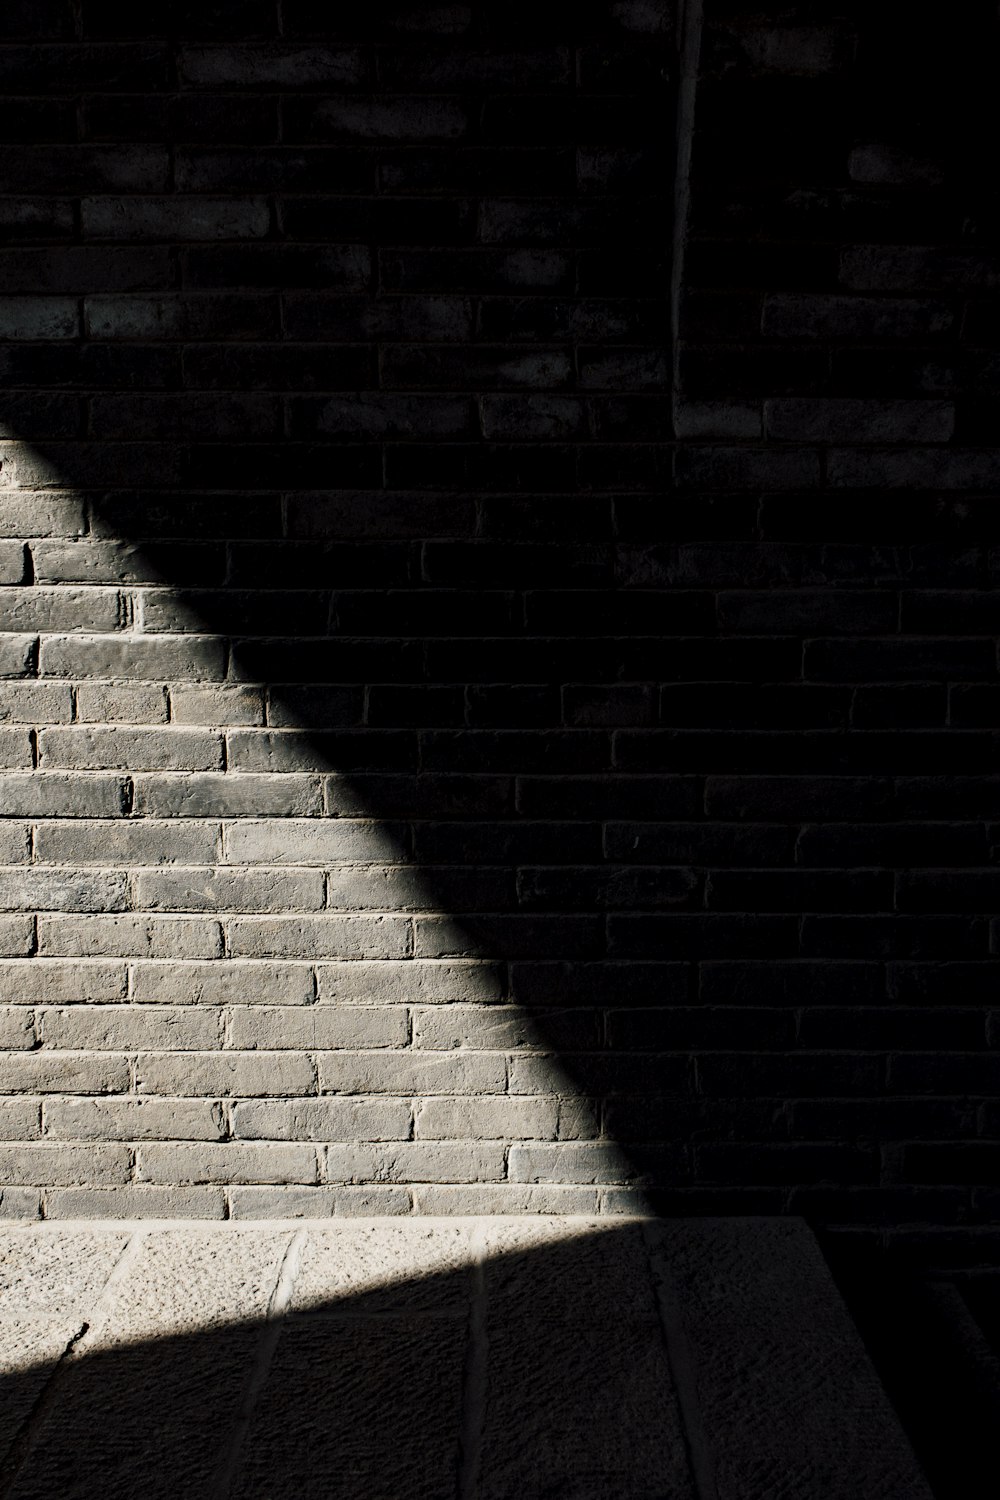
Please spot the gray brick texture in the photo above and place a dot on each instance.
(498, 620)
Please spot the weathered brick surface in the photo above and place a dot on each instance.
(498, 632)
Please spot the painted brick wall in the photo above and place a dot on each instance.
(466, 748)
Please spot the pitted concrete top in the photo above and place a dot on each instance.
(452, 1359)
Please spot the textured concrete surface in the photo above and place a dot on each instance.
(477, 1359)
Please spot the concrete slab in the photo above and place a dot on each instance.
(359, 1412)
(142, 1420)
(542, 1359)
(352, 1271)
(31, 1346)
(782, 1391)
(597, 1275)
(182, 1280)
(587, 1411)
(56, 1273)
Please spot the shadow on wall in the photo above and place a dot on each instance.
(426, 716)
(618, 729)
(551, 1361)
(327, 425)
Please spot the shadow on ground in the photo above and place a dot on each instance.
(461, 1360)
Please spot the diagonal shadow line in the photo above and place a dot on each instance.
(542, 963)
(368, 1394)
(550, 1371)
(289, 559)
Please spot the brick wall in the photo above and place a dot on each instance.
(466, 749)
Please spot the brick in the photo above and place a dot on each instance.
(965, 1073)
(55, 416)
(63, 890)
(67, 656)
(200, 315)
(235, 611)
(442, 367)
(86, 268)
(290, 750)
(332, 118)
(38, 317)
(15, 749)
(135, 1201)
(316, 1202)
(597, 1073)
(915, 268)
(319, 937)
(41, 516)
(40, 981)
(921, 982)
(391, 982)
(15, 843)
(374, 415)
(35, 702)
(21, 1203)
(126, 843)
(64, 1166)
(175, 218)
(285, 67)
(897, 660)
(132, 1119)
(213, 983)
(326, 707)
(123, 462)
(127, 1029)
(318, 1027)
(122, 703)
(415, 1161)
(502, 1027)
(891, 936)
(717, 419)
(134, 749)
(62, 1073)
(855, 421)
(224, 1075)
(570, 1163)
(17, 1028)
(36, 217)
(442, 68)
(787, 798)
(16, 937)
(231, 1162)
(391, 1073)
(20, 1119)
(322, 1120)
(503, 1198)
(225, 796)
(805, 315)
(918, 468)
(217, 706)
(13, 561)
(326, 842)
(229, 890)
(740, 468)
(18, 654)
(520, 936)
(403, 888)
(129, 936)
(487, 1119)
(181, 418)
(90, 562)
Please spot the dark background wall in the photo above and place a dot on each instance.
(469, 749)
